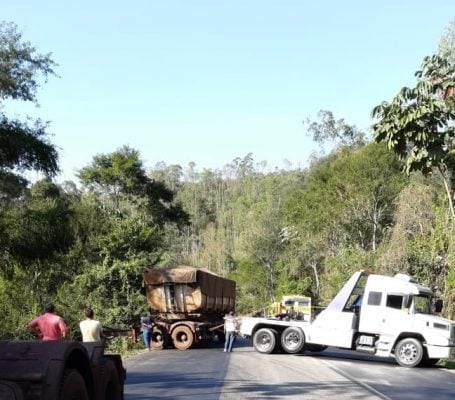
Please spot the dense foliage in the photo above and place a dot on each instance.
(283, 232)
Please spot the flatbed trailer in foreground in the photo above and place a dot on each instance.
(59, 370)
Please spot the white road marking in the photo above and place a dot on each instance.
(355, 380)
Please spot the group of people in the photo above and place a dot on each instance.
(50, 326)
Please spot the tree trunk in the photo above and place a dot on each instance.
(448, 190)
(314, 265)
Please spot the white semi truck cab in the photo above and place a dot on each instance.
(384, 316)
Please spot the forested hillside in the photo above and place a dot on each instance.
(383, 203)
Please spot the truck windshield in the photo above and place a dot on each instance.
(422, 304)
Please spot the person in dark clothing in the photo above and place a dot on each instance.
(146, 328)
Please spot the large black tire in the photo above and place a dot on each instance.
(409, 352)
(160, 338)
(264, 341)
(10, 391)
(73, 386)
(292, 340)
(182, 337)
(111, 383)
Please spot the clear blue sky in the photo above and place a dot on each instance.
(208, 81)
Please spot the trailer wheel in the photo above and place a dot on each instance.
(111, 383)
(160, 338)
(264, 341)
(292, 340)
(10, 391)
(73, 386)
(183, 337)
(409, 352)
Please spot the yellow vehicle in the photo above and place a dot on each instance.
(292, 307)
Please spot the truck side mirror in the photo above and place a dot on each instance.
(438, 305)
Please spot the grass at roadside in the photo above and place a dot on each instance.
(447, 364)
(123, 346)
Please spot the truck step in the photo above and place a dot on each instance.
(366, 349)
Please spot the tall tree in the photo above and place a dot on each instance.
(23, 146)
(419, 123)
(121, 174)
(338, 131)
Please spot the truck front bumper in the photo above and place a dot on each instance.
(446, 352)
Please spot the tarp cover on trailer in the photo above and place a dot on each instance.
(193, 290)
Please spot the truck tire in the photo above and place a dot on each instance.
(73, 386)
(111, 383)
(10, 391)
(182, 337)
(409, 352)
(160, 338)
(292, 340)
(264, 341)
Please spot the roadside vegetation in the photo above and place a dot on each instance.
(380, 200)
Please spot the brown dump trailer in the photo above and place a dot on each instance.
(188, 304)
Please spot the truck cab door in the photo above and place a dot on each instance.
(396, 316)
(371, 312)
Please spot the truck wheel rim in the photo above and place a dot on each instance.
(264, 341)
(408, 352)
(292, 340)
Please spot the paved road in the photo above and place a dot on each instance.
(209, 374)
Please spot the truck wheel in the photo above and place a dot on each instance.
(409, 352)
(73, 386)
(264, 341)
(160, 338)
(183, 337)
(111, 382)
(292, 340)
(10, 391)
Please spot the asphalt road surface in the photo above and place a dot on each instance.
(210, 374)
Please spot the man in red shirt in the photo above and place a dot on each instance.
(48, 326)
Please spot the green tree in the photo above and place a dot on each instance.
(418, 124)
(23, 145)
(329, 129)
(345, 207)
(121, 175)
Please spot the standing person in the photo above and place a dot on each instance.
(146, 328)
(230, 326)
(48, 326)
(91, 329)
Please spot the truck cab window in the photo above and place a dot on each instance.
(394, 301)
(422, 305)
(374, 298)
